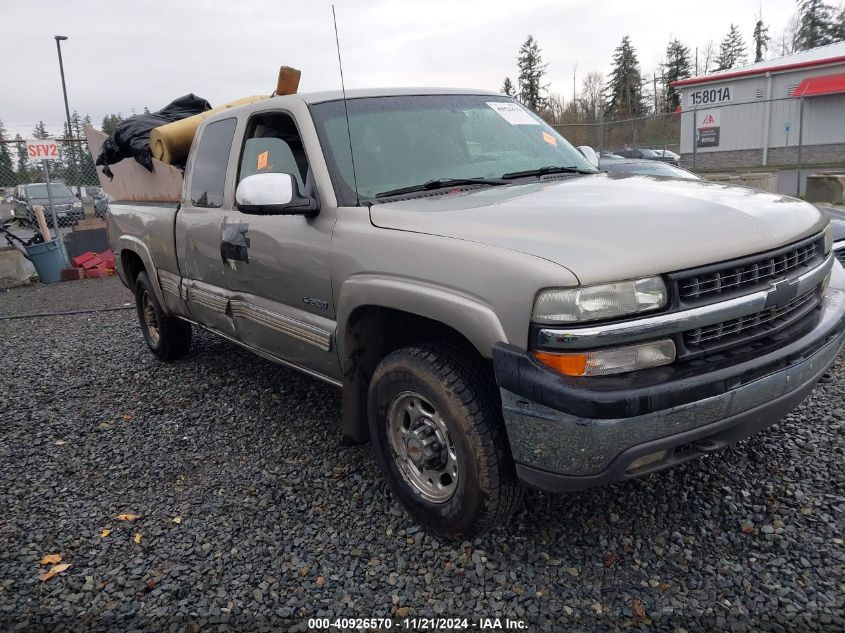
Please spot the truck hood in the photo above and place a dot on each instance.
(607, 227)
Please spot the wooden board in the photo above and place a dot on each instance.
(132, 182)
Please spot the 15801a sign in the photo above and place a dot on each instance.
(711, 95)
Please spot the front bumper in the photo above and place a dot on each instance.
(573, 433)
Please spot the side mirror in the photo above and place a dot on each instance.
(590, 154)
(273, 194)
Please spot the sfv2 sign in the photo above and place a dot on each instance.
(38, 149)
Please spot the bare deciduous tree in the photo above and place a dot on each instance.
(590, 99)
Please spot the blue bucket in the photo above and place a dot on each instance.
(48, 260)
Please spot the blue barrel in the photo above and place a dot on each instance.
(48, 260)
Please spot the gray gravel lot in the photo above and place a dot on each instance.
(279, 521)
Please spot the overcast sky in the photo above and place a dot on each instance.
(125, 54)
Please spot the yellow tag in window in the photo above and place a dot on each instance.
(261, 163)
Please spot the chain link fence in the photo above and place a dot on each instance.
(75, 186)
(786, 137)
(662, 131)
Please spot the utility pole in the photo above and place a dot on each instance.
(654, 76)
(59, 39)
(574, 70)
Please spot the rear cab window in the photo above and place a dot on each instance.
(208, 175)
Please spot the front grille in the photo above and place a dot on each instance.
(840, 255)
(743, 329)
(713, 282)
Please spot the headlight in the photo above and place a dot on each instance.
(590, 303)
(77, 205)
(828, 239)
(612, 360)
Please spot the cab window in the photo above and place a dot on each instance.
(272, 145)
(208, 175)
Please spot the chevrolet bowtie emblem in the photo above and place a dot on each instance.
(782, 292)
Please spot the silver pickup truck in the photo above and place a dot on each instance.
(496, 312)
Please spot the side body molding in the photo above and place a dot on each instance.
(473, 319)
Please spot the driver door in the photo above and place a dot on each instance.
(278, 269)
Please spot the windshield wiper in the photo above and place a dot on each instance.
(441, 183)
(542, 171)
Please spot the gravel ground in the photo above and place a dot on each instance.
(276, 520)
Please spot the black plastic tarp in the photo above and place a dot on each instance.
(131, 139)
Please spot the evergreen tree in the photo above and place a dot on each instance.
(732, 51)
(110, 123)
(507, 87)
(761, 40)
(531, 71)
(87, 170)
(817, 25)
(625, 98)
(7, 173)
(22, 176)
(677, 66)
(40, 131)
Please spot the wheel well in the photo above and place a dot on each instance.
(373, 332)
(132, 266)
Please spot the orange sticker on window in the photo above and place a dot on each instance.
(551, 140)
(261, 163)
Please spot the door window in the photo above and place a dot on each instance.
(208, 176)
(273, 145)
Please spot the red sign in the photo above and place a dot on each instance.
(42, 150)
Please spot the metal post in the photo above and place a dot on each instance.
(694, 139)
(59, 39)
(800, 142)
(601, 130)
(53, 211)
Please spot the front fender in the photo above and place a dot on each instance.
(476, 321)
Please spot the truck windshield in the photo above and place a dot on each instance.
(406, 141)
(58, 190)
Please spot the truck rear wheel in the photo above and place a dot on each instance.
(439, 439)
(167, 337)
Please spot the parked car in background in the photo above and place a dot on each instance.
(68, 206)
(101, 203)
(644, 154)
(668, 155)
(645, 167)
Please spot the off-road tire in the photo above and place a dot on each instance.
(174, 339)
(487, 493)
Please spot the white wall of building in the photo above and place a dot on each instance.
(756, 99)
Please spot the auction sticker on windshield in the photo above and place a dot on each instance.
(512, 113)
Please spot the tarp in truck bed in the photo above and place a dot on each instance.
(132, 136)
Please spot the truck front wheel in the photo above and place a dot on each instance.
(167, 337)
(439, 439)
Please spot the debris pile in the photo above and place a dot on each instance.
(90, 265)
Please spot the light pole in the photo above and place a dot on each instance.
(59, 39)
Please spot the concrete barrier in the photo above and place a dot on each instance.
(728, 179)
(826, 188)
(760, 180)
(15, 269)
